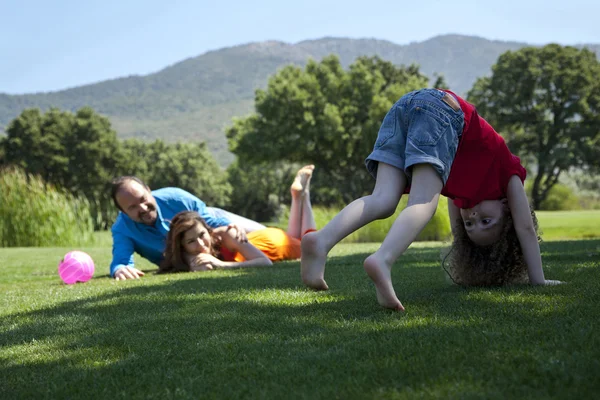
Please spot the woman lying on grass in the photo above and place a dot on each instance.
(193, 246)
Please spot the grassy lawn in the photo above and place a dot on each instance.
(557, 225)
(260, 334)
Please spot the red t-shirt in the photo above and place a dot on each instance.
(483, 164)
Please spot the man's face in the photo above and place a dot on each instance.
(137, 202)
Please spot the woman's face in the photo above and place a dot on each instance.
(196, 240)
(485, 221)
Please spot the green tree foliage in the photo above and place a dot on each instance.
(78, 152)
(94, 159)
(187, 166)
(546, 102)
(33, 213)
(34, 142)
(261, 191)
(560, 198)
(190, 167)
(440, 82)
(324, 115)
(137, 157)
(588, 187)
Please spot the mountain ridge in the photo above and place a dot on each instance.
(196, 98)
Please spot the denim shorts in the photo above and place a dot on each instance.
(420, 128)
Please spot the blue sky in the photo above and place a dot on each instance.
(53, 45)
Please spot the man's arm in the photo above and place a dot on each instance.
(523, 223)
(193, 203)
(212, 219)
(208, 214)
(122, 266)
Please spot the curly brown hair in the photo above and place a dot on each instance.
(174, 260)
(498, 264)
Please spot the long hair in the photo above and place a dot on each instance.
(498, 264)
(174, 260)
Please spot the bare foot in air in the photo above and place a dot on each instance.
(381, 275)
(302, 181)
(312, 263)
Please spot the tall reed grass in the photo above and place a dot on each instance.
(33, 213)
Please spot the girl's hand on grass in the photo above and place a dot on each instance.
(199, 268)
(204, 262)
(196, 264)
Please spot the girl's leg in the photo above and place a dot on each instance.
(295, 218)
(422, 203)
(298, 190)
(382, 203)
(308, 218)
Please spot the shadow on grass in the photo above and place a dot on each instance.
(259, 333)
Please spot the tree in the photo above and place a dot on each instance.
(78, 152)
(35, 142)
(81, 153)
(262, 190)
(92, 148)
(136, 157)
(546, 102)
(324, 115)
(187, 166)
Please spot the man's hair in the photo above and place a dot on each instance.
(498, 264)
(118, 183)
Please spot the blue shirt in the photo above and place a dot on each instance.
(149, 241)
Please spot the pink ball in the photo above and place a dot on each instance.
(76, 266)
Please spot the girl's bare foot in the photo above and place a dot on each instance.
(312, 264)
(380, 273)
(302, 181)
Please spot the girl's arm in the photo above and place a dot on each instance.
(521, 215)
(254, 257)
(454, 214)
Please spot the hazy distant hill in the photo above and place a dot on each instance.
(196, 98)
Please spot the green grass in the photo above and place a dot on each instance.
(557, 225)
(260, 334)
(554, 225)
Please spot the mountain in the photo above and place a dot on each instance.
(196, 99)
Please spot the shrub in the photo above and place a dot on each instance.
(33, 213)
(261, 191)
(438, 229)
(559, 198)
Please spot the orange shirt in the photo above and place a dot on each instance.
(275, 243)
